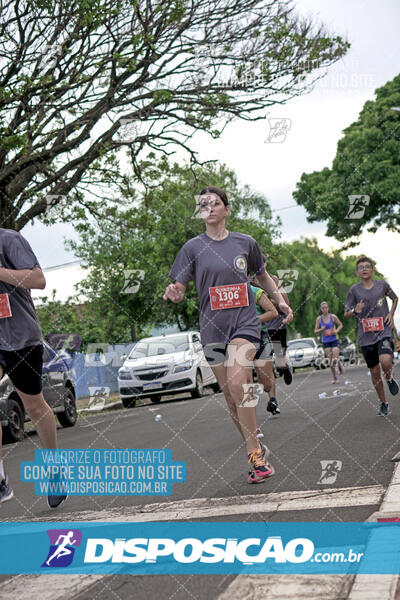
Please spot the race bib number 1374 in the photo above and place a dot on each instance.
(5, 308)
(228, 296)
(372, 324)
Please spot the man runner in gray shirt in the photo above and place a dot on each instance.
(21, 349)
(366, 301)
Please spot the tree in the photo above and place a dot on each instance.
(129, 253)
(363, 186)
(82, 79)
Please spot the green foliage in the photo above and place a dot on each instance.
(366, 163)
(148, 236)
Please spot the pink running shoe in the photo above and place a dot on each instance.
(260, 469)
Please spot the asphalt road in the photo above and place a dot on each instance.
(343, 428)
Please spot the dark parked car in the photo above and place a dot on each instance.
(58, 390)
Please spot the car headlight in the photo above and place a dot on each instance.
(184, 366)
(124, 374)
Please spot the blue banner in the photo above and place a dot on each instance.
(200, 548)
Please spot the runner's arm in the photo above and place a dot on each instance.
(338, 323)
(283, 294)
(268, 284)
(175, 292)
(29, 279)
(318, 329)
(269, 309)
(389, 319)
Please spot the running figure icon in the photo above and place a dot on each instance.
(62, 549)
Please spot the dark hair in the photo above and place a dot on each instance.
(210, 189)
(364, 259)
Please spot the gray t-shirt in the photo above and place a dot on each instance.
(224, 262)
(22, 329)
(370, 322)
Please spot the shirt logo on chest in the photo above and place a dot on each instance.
(240, 264)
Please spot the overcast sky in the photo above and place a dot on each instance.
(316, 124)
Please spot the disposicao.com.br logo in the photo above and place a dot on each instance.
(192, 550)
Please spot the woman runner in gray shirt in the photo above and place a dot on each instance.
(218, 261)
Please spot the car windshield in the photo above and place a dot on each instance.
(301, 344)
(157, 346)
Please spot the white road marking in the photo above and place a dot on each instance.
(205, 508)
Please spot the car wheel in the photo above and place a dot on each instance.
(14, 431)
(294, 369)
(128, 402)
(155, 399)
(68, 417)
(199, 389)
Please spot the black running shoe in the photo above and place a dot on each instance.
(272, 407)
(287, 376)
(6, 492)
(54, 501)
(393, 387)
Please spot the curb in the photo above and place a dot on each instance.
(384, 587)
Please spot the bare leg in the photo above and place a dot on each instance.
(386, 363)
(42, 418)
(239, 374)
(266, 377)
(220, 372)
(328, 354)
(377, 382)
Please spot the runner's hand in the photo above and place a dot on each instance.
(288, 312)
(359, 307)
(173, 293)
(389, 320)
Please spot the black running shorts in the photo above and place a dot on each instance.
(278, 339)
(24, 368)
(217, 353)
(371, 353)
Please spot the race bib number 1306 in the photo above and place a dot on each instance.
(228, 296)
